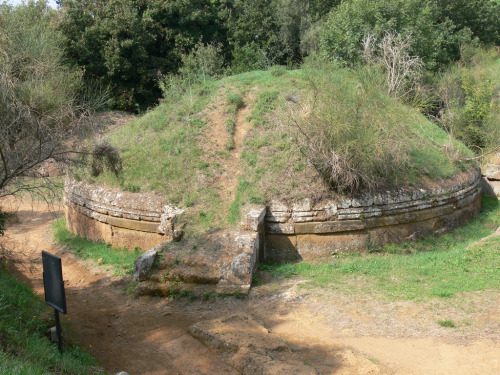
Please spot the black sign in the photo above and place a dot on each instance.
(53, 282)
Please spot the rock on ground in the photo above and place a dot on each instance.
(143, 264)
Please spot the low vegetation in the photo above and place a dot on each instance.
(293, 130)
(439, 267)
(396, 146)
(470, 101)
(24, 345)
(447, 323)
(119, 261)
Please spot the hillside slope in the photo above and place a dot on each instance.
(236, 141)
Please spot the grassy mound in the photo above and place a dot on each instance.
(244, 139)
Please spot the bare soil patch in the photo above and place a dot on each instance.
(326, 330)
(110, 121)
(217, 140)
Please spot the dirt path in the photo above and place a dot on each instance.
(139, 336)
(219, 138)
(336, 334)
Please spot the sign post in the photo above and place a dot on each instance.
(54, 289)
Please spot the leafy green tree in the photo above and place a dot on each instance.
(482, 17)
(436, 39)
(127, 45)
(253, 26)
(294, 20)
(274, 28)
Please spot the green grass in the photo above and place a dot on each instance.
(438, 267)
(24, 346)
(277, 70)
(236, 99)
(168, 150)
(447, 323)
(120, 261)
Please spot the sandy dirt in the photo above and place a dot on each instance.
(333, 333)
(218, 138)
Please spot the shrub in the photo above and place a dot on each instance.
(236, 99)
(204, 62)
(105, 156)
(247, 58)
(447, 323)
(469, 109)
(199, 67)
(477, 108)
(341, 132)
(358, 138)
(435, 39)
(277, 70)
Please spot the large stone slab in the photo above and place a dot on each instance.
(144, 264)
(222, 262)
(252, 348)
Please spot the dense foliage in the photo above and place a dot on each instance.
(129, 45)
(470, 106)
(437, 28)
(41, 99)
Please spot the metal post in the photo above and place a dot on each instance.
(58, 330)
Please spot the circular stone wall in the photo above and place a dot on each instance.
(305, 231)
(301, 230)
(122, 219)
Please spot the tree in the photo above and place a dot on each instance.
(435, 38)
(298, 21)
(128, 45)
(42, 101)
(253, 27)
(481, 17)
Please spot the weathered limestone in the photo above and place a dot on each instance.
(123, 219)
(302, 230)
(251, 348)
(222, 262)
(491, 176)
(144, 264)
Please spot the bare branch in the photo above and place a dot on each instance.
(403, 71)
